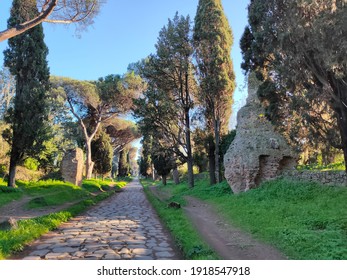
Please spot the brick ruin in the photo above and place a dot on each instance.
(258, 153)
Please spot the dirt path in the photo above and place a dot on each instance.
(228, 241)
(17, 210)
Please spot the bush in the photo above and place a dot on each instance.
(31, 164)
(183, 170)
(3, 170)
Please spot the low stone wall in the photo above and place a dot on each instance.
(324, 177)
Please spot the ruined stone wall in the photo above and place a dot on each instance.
(258, 153)
(323, 177)
(72, 166)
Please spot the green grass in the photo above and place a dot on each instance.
(303, 220)
(339, 166)
(100, 185)
(48, 193)
(186, 237)
(8, 195)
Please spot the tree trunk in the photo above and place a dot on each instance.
(12, 174)
(175, 175)
(211, 161)
(189, 152)
(89, 162)
(164, 180)
(216, 150)
(342, 123)
(153, 173)
(14, 159)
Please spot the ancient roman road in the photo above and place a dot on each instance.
(122, 227)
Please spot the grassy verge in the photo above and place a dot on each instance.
(303, 220)
(182, 231)
(48, 193)
(7, 195)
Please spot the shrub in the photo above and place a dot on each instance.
(31, 164)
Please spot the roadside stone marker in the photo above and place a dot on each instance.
(72, 166)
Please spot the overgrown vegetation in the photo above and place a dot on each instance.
(336, 166)
(45, 194)
(303, 220)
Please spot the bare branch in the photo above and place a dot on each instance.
(57, 11)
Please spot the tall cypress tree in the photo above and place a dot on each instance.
(26, 59)
(213, 40)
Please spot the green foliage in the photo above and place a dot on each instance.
(213, 41)
(163, 162)
(123, 164)
(102, 154)
(183, 170)
(164, 112)
(31, 164)
(226, 142)
(3, 170)
(93, 185)
(339, 166)
(97, 103)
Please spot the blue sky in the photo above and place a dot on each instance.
(125, 31)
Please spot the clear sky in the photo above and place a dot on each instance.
(125, 31)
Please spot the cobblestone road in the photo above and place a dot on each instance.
(123, 227)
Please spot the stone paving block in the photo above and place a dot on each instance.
(164, 254)
(161, 249)
(32, 258)
(126, 256)
(79, 254)
(105, 251)
(142, 252)
(43, 246)
(63, 250)
(124, 251)
(40, 253)
(137, 246)
(135, 242)
(57, 256)
(112, 257)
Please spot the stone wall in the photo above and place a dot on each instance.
(323, 177)
(72, 166)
